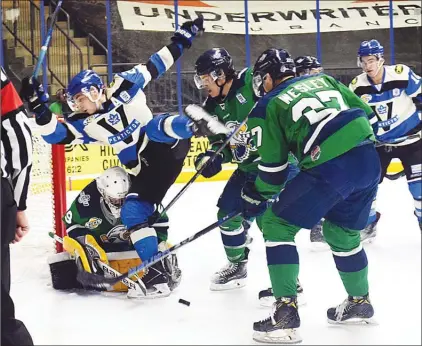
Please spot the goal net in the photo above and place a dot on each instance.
(47, 189)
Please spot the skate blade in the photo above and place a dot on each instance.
(161, 291)
(355, 321)
(280, 336)
(267, 302)
(231, 285)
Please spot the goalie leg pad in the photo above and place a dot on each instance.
(123, 266)
(86, 250)
(63, 271)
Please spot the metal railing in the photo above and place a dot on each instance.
(99, 44)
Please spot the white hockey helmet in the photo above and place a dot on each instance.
(113, 185)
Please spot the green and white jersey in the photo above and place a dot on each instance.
(316, 118)
(89, 213)
(235, 108)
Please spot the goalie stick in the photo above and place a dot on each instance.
(95, 280)
(138, 285)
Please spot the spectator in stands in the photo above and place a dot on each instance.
(60, 107)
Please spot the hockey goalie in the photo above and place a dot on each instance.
(97, 242)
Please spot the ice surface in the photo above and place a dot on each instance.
(55, 317)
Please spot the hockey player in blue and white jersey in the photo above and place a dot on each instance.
(394, 93)
(119, 116)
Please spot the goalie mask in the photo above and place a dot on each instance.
(113, 186)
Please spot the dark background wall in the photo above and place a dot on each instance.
(338, 48)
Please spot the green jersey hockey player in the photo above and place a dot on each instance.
(326, 127)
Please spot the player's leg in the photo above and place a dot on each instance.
(410, 156)
(341, 230)
(386, 154)
(233, 235)
(163, 164)
(303, 202)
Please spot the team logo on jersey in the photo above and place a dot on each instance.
(223, 106)
(113, 118)
(315, 153)
(124, 95)
(398, 69)
(88, 120)
(366, 98)
(84, 199)
(241, 144)
(354, 81)
(117, 234)
(93, 223)
(241, 98)
(381, 109)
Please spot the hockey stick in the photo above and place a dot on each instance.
(135, 285)
(44, 48)
(199, 171)
(95, 280)
(395, 176)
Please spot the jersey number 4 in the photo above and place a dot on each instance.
(326, 103)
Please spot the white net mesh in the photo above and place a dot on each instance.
(40, 195)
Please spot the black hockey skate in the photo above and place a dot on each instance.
(354, 310)
(156, 282)
(318, 242)
(369, 233)
(266, 297)
(281, 326)
(231, 276)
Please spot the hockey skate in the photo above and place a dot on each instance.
(156, 282)
(266, 297)
(369, 233)
(318, 242)
(354, 310)
(231, 276)
(281, 327)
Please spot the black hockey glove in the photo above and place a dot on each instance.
(33, 92)
(212, 168)
(187, 32)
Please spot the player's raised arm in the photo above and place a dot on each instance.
(52, 130)
(162, 60)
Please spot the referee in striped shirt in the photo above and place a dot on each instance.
(16, 163)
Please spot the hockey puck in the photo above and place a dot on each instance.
(185, 302)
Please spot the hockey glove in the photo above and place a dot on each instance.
(33, 92)
(253, 204)
(213, 167)
(204, 124)
(187, 32)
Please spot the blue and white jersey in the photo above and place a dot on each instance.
(123, 117)
(395, 110)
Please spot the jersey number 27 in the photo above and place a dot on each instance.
(326, 103)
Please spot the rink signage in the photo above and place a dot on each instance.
(270, 17)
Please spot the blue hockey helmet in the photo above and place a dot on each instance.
(277, 63)
(83, 83)
(372, 47)
(216, 62)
